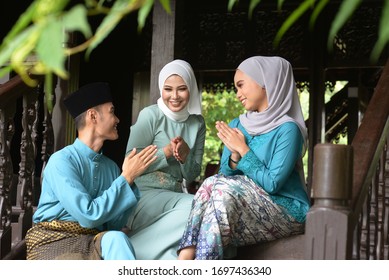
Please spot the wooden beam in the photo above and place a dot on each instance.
(162, 48)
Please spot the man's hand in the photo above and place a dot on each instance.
(135, 164)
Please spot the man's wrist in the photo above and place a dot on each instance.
(129, 179)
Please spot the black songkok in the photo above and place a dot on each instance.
(87, 97)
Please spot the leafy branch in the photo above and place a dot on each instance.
(35, 44)
(345, 12)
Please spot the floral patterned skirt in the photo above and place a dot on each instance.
(233, 210)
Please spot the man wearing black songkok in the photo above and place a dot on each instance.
(86, 199)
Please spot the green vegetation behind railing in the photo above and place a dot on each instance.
(221, 105)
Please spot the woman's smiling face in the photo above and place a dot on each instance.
(252, 95)
(175, 93)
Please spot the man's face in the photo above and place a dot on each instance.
(107, 122)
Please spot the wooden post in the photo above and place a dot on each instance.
(64, 130)
(162, 48)
(328, 235)
(353, 113)
(6, 174)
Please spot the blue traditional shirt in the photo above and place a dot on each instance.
(271, 163)
(83, 186)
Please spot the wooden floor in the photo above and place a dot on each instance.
(290, 248)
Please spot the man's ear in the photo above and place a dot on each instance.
(91, 114)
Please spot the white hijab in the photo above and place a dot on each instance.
(275, 74)
(185, 71)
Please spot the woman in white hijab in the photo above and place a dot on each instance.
(258, 194)
(175, 125)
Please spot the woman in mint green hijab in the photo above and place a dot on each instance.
(175, 125)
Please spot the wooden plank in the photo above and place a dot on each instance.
(162, 48)
(369, 140)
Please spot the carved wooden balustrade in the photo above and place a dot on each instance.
(26, 141)
(350, 217)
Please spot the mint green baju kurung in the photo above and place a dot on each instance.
(158, 222)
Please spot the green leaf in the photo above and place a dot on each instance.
(76, 19)
(346, 9)
(8, 48)
(48, 8)
(109, 22)
(5, 70)
(294, 16)
(144, 12)
(253, 4)
(383, 33)
(49, 47)
(22, 22)
(279, 4)
(166, 5)
(49, 91)
(231, 4)
(316, 12)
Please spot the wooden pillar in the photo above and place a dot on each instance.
(316, 125)
(327, 231)
(7, 132)
(140, 95)
(162, 48)
(353, 113)
(63, 125)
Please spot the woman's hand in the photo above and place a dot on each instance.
(233, 139)
(180, 149)
(168, 150)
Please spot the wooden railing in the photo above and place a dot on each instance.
(350, 216)
(26, 141)
(336, 112)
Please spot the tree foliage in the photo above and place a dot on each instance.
(346, 10)
(218, 105)
(39, 32)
